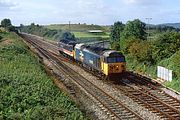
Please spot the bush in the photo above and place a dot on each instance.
(173, 63)
(141, 50)
(115, 45)
(165, 45)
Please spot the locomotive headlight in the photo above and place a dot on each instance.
(117, 68)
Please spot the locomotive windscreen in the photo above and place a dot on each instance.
(115, 59)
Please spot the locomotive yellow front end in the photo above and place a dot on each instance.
(113, 63)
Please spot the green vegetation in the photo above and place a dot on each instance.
(115, 35)
(47, 33)
(6, 23)
(173, 63)
(134, 29)
(90, 35)
(81, 31)
(75, 27)
(145, 54)
(26, 92)
(56, 32)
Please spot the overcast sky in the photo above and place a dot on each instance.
(103, 12)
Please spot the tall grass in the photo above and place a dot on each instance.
(171, 63)
(26, 92)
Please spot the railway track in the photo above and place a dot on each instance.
(114, 108)
(148, 94)
(153, 104)
(144, 92)
(153, 88)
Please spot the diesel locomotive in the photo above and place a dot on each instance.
(105, 62)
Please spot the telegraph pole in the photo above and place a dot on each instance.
(69, 26)
(148, 21)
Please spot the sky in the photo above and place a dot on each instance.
(101, 12)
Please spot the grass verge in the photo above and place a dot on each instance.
(26, 92)
(171, 63)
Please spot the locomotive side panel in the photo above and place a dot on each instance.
(92, 60)
(88, 58)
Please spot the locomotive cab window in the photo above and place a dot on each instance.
(115, 59)
(120, 59)
(111, 60)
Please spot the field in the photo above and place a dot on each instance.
(91, 35)
(26, 92)
(81, 30)
(77, 27)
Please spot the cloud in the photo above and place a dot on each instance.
(87, 11)
(90, 11)
(7, 5)
(142, 2)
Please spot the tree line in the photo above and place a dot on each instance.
(37, 30)
(7, 25)
(45, 32)
(132, 39)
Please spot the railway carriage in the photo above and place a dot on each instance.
(67, 47)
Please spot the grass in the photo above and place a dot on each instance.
(89, 35)
(76, 27)
(81, 30)
(171, 63)
(26, 92)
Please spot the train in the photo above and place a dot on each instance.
(105, 62)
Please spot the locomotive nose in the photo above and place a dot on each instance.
(114, 68)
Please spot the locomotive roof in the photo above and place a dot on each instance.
(99, 50)
(112, 53)
(93, 49)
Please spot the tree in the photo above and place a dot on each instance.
(116, 31)
(32, 24)
(141, 51)
(68, 36)
(134, 29)
(115, 34)
(165, 45)
(6, 23)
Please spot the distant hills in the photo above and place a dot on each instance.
(78, 27)
(85, 27)
(175, 25)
